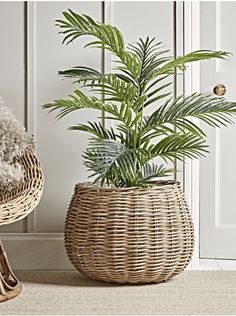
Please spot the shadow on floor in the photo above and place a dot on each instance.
(59, 278)
(66, 278)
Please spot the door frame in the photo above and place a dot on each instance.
(191, 42)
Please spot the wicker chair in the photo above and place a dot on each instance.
(14, 206)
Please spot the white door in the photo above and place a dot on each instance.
(218, 170)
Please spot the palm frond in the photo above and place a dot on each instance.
(108, 85)
(179, 146)
(76, 25)
(76, 101)
(151, 57)
(214, 111)
(96, 129)
(149, 53)
(114, 89)
(180, 63)
(107, 37)
(110, 159)
(150, 171)
(79, 100)
(82, 74)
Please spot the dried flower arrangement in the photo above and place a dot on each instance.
(13, 142)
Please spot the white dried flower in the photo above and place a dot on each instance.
(13, 142)
(10, 175)
(13, 137)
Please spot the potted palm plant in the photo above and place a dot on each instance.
(128, 226)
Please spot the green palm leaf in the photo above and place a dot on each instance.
(179, 146)
(214, 111)
(180, 62)
(96, 129)
(115, 89)
(110, 85)
(149, 171)
(110, 159)
(149, 53)
(108, 37)
(82, 74)
(78, 101)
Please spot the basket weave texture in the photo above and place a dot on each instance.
(19, 202)
(129, 235)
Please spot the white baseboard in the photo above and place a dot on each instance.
(36, 251)
(45, 251)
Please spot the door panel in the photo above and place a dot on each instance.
(142, 19)
(218, 170)
(60, 150)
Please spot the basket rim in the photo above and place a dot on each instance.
(157, 185)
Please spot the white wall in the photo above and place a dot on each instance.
(12, 64)
(38, 241)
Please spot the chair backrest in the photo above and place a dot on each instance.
(18, 203)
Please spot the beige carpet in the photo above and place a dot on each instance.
(70, 293)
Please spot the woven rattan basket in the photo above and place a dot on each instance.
(18, 203)
(130, 235)
(15, 205)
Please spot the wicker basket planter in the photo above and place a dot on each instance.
(130, 235)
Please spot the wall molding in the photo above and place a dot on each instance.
(179, 89)
(30, 85)
(32, 236)
(191, 85)
(41, 251)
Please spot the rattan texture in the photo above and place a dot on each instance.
(18, 203)
(129, 235)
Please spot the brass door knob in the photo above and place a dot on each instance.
(219, 89)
